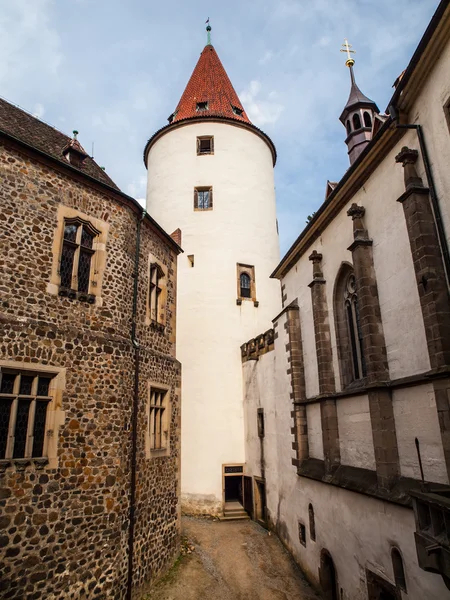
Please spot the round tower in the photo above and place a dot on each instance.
(210, 175)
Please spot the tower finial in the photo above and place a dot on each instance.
(346, 47)
(208, 32)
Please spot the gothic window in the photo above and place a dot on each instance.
(202, 106)
(205, 145)
(76, 255)
(203, 198)
(24, 399)
(237, 111)
(312, 523)
(155, 292)
(246, 283)
(367, 119)
(349, 127)
(348, 327)
(356, 121)
(399, 571)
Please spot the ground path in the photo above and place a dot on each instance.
(236, 560)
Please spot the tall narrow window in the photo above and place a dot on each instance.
(354, 328)
(245, 285)
(155, 292)
(260, 414)
(356, 121)
(367, 119)
(158, 423)
(76, 255)
(203, 198)
(348, 328)
(24, 398)
(312, 523)
(348, 126)
(399, 571)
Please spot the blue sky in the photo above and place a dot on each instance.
(115, 70)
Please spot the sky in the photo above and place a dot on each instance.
(115, 70)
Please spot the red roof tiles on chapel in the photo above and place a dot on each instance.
(209, 83)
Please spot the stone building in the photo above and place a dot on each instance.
(357, 367)
(89, 385)
(210, 176)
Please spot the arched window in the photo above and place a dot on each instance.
(348, 328)
(356, 121)
(245, 285)
(399, 571)
(349, 127)
(312, 523)
(367, 119)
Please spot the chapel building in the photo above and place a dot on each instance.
(359, 372)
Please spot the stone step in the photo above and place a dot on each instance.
(234, 517)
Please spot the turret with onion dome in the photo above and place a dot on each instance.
(358, 114)
(210, 179)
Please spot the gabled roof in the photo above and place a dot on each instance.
(209, 83)
(30, 130)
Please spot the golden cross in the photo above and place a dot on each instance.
(346, 47)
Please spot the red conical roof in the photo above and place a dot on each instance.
(209, 83)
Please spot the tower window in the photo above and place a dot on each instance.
(356, 121)
(237, 111)
(399, 571)
(203, 198)
(205, 145)
(246, 283)
(354, 328)
(349, 127)
(202, 106)
(367, 119)
(260, 422)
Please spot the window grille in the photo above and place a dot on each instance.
(24, 400)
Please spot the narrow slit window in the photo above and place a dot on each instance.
(356, 121)
(261, 430)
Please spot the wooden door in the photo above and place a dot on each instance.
(248, 495)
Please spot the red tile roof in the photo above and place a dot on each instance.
(26, 128)
(209, 83)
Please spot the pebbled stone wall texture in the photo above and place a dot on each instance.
(64, 526)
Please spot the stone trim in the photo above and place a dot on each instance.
(261, 344)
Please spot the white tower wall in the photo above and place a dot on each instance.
(241, 228)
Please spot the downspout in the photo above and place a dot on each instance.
(433, 195)
(134, 417)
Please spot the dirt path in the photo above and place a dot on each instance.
(232, 561)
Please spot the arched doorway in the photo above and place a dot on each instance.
(328, 577)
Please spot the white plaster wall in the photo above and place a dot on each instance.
(416, 416)
(355, 432)
(241, 228)
(315, 440)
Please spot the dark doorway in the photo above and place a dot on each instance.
(248, 495)
(260, 502)
(328, 577)
(233, 488)
(380, 589)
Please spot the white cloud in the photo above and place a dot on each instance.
(260, 110)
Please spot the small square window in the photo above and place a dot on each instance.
(205, 145)
(237, 111)
(302, 534)
(202, 106)
(203, 198)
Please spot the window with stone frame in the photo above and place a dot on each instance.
(79, 256)
(24, 400)
(158, 434)
(157, 294)
(246, 287)
(203, 198)
(348, 327)
(205, 145)
(156, 288)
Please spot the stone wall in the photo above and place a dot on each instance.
(64, 526)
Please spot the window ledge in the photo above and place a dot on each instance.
(74, 295)
(22, 463)
(157, 326)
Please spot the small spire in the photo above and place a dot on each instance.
(75, 133)
(208, 32)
